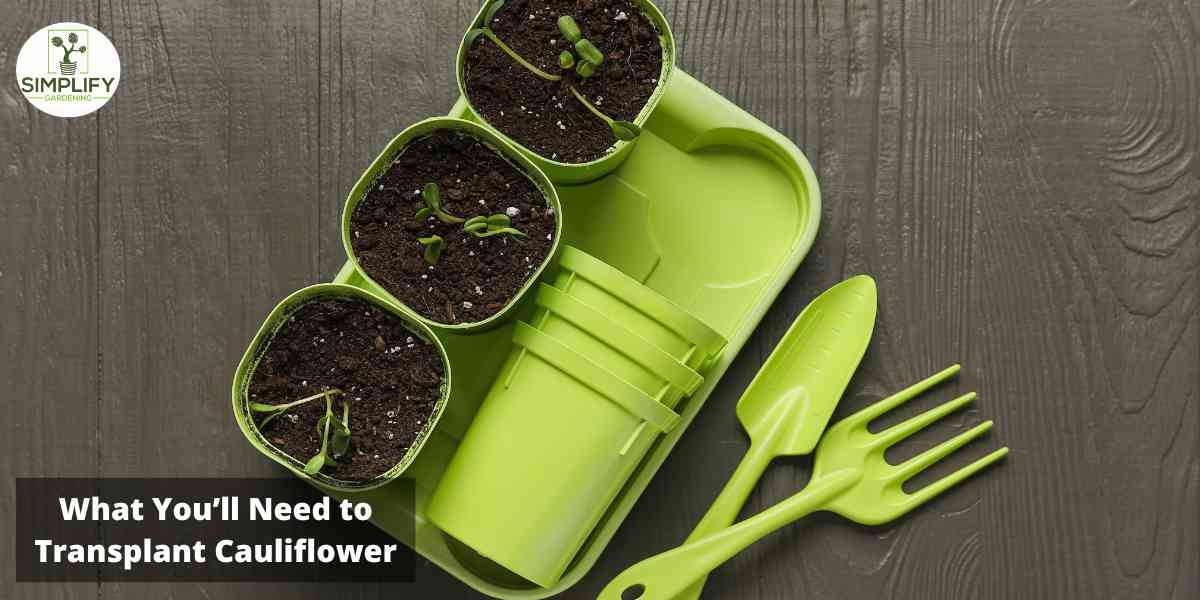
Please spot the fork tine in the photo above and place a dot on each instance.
(896, 433)
(907, 469)
(875, 410)
(924, 494)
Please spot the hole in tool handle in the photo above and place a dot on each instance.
(633, 592)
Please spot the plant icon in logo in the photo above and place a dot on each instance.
(66, 65)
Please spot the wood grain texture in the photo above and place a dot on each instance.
(1022, 179)
(48, 291)
(208, 216)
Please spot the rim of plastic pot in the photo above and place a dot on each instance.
(649, 302)
(498, 145)
(262, 340)
(666, 40)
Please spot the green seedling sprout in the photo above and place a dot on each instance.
(589, 52)
(433, 206)
(569, 28)
(335, 445)
(433, 248)
(327, 424)
(623, 130)
(490, 225)
(72, 38)
(590, 56)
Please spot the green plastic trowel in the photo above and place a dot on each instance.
(789, 402)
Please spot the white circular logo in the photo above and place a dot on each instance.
(68, 70)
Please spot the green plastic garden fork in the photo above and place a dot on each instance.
(850, 477)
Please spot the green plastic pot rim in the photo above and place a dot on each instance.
(669, 369)
(666, 40)
(645, 300)
(261, 341)
(582, 369)
(501, 147)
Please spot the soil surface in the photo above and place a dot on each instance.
(475, 277)
(391, 378)
(543, 115)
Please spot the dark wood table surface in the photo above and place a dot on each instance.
(1021, 178)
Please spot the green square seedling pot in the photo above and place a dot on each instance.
(714, 211)
(570, 173)
(498, 145)
(259, 345)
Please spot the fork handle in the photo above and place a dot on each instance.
(664, 576)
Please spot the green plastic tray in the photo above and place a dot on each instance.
(714, 210)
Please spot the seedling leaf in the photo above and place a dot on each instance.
(432, 196)
(340, 442)
(589, 52)
(585, 69)
(315, 464)
(490, 225)
(433, 202)
(566, 60)
(569, 28)
(433, 248)
(424, 213)
(624, 130)
(508, 230)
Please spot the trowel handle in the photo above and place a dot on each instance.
(669, 574)
(725, 508)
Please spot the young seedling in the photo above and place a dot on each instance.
(433, 248)
(274, 410)
(328, 424)
(490, 225)
(331, 446)
(72, 38)
(590, 56)
(623, 130)
(433, 206)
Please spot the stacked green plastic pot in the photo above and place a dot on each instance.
(591, 381)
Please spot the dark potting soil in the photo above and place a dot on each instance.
(543, 115)
(475, 277)
(391, 378)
